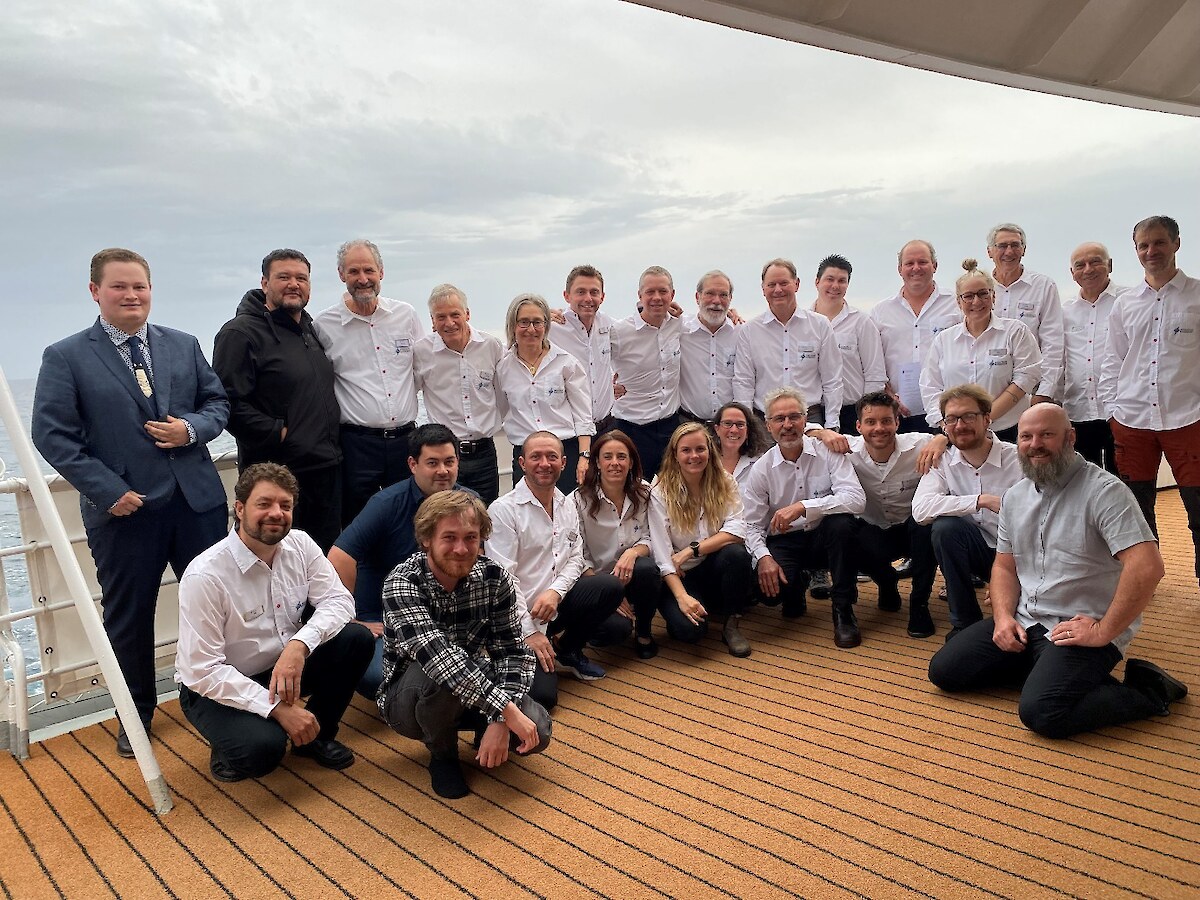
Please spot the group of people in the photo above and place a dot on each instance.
(372, 553)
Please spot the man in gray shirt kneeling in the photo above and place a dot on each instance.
(1076, 565)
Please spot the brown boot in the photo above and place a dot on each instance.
(734, 639)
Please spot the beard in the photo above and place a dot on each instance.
(1047, 474)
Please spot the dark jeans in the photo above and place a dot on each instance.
(418, 707)
(480, 471)
(318, 511)
(831, 544)
(1094, 441)
(370, 462)
(721, 582)
(650, 439)
(566, 481)
(1064, 690)
(131, 552)
(878, 547)
(961, 552)
(253, 745)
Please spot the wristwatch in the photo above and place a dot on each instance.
(696, 549)
(585, 454)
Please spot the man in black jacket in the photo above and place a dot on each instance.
(280, 386)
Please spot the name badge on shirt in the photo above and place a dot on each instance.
(485, 381)
(403, 345)
(998, 351)
(251, 615)
(1026, 305)
(806, 351)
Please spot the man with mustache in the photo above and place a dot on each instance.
(281, 391)
(246, 657)
(707, 349)
(1076, 566)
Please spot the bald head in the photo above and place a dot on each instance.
(1045, 443)
(1043, 416)
(1091, 267)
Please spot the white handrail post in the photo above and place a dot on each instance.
(160, 795)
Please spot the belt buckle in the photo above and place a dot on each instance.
(466, 447)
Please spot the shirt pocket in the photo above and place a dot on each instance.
(1183, 331)
(552, 390)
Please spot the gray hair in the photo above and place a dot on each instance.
(907, 244)
(713, 273)
(444, 292)
(1005, 226)
(779, 261)
(655, 270)
(353, 245)
(784, 393)
(971, 270)
(510, 318)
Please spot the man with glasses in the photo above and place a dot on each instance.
(961, 497)
(1030, 298)
(800, 501)
(708, 349)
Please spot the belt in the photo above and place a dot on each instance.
(703, 420)
(470, 448)
(385, 433)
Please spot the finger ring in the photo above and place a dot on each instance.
(1069, 634)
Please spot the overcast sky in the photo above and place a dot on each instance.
(496, 144)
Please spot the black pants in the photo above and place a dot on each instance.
(830, 544)
(848, 420)
(878, 547)
(480, 471)
(131, 552)
(962, 551)
(584, 609)
(650, 439)
(566, 481)
(370, 462)
(1065, 690)
(254, 746)
(1094, 441)
(918, 424)
(721, 582)
(318, 511)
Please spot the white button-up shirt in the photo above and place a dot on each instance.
(1033, 299)
(953, 488)
(822, 480)
(460, 388)
(594, 350)
(889, 486)
(236, 614)
(372, 360)
(667, 537)
(801, 353)
(539, 552)
(1151, 374)
(555, 399)
(861, 347)
(1086, 326)
(906, 338)
(1005, 353)
(706, 369)
(611, 531)
(646, 360)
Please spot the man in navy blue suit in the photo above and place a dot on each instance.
(123, 411)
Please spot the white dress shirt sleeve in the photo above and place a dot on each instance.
(1052, 340)
(933, 498)
(502, 548)
(660, 534)
(870, 352)
(848, 495)
(757, 510)
(743, 368)
(1028, 369)
(931, 377)
(572, 568)
(829, 367)
(1115, 350)
(333, 605)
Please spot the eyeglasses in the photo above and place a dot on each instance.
(531, 323)
(1009, 245)
(790, 419)
(965, 418)
(725, 423)
(970, 296)
(717, 295)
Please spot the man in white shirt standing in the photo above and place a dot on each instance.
(708, 347)
(455, 369)
(645, 358)
(1030, 298)
(584, 333)
(536, 537)
(1151, 375)
(1085, 317)
(908, 322)
(800, 500)
(245, 657)
(369, 339)
(789, 347)
(961, 497)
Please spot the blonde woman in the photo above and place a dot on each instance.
(698, 536)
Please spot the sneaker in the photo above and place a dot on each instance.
(820, 585)
(904, 568)
(578, 665)
(862, 578)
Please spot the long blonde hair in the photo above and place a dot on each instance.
(718, 491)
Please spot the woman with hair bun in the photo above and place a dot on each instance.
(999, 355)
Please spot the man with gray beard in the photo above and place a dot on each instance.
(1076, 565)
(707, 349)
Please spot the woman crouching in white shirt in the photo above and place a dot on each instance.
(613, 504)
(741, 439)
(698, 536)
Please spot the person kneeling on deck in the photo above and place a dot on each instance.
(246, 657)
(536, 536)
(1076, 565)
(453, 656)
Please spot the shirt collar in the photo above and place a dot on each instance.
(692, 323)
(809, 449)
(475, 338)
(243, 557)
(1176, 283)
(119, 337)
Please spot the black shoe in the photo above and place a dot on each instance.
(645, 649)
(124, 748)
(920, 622)
(953, 633)
(446, 778)
(977, 582)
(223, 771)
(889, 599)
(1156, 684)
(845, 629)
(903, 568)
(820, 585)
(328, 753)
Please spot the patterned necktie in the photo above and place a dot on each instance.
(140, 370)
